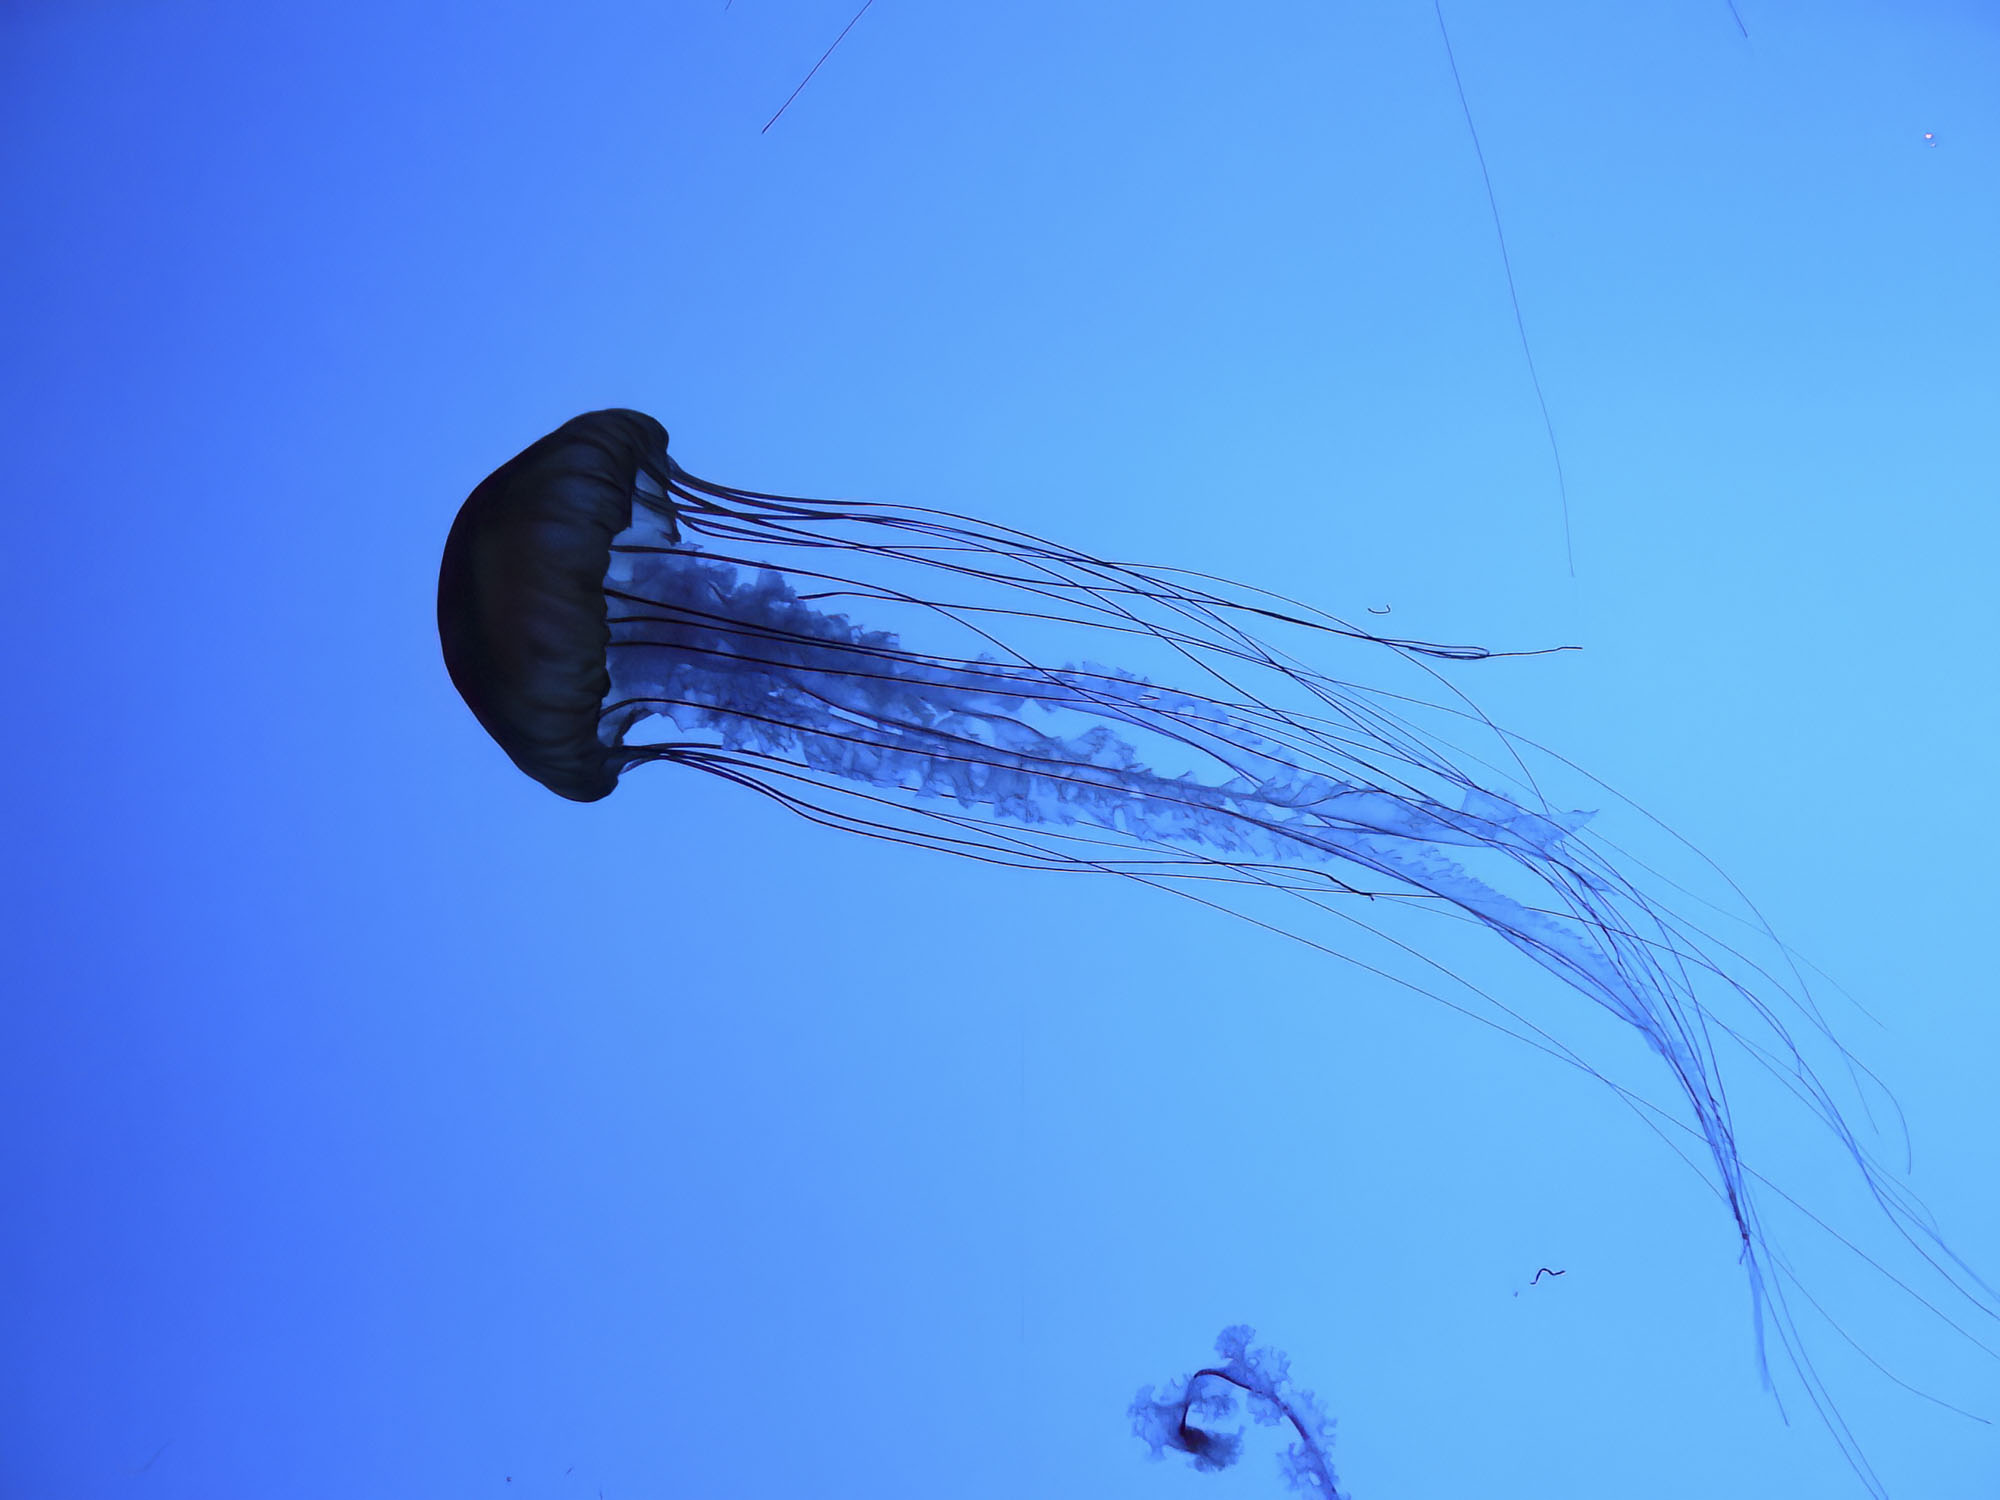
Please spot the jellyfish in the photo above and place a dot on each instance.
(1264, 1376)
(914, 675)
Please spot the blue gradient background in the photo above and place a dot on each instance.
(377, 1124)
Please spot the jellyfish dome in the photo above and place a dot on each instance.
(521, 605)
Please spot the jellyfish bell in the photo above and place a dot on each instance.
(521, 603)
(867, 666)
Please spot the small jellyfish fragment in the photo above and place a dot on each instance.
(1167, 1421)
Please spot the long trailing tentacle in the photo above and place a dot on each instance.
(1335, 801)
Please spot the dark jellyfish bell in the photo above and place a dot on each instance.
(521, 612)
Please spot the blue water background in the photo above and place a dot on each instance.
(377, 1124)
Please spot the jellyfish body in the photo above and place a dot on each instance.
(871, 667)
